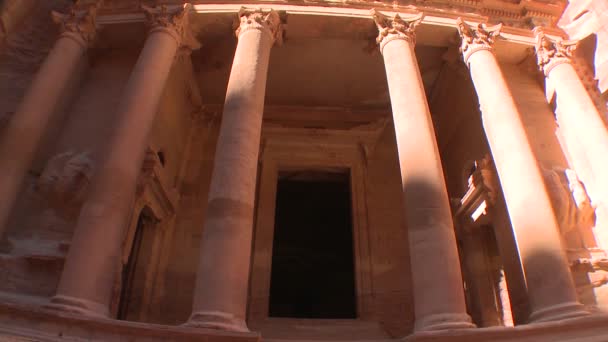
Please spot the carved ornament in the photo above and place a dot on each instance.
(79, 23)
(551, 52)
(64, 182)
(482, 184)
(396, 27)
(573, 207)
(174, 21)
(476, 38)
(268, 22)
(153, 190)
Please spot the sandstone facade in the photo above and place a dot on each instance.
(145, 147)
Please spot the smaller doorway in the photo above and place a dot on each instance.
(135, 271)
(312, 260)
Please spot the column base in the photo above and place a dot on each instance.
(443, 322)
(559, 312)
(78, 306)
(216, 320)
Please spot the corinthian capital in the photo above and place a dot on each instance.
(79, 23)
(268, 22)
(173, 21)
(395, 28)
(476, 38)
(551, 52)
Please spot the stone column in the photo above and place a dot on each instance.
(220, 297)
(437, 282)
(551, 291)
(28, 125)
(576, 108)
(90, 270)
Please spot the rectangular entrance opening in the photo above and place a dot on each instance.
(312, 258)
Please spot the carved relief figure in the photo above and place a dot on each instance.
(65, 180)
(571, 203)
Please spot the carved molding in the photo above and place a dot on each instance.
(476, 38)
(173, 21)
(153, 190)
(390, 29)
(551, 52)
(481, 193)
(269, 22)
(80, 22)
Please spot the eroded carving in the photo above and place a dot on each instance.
(80, 21)
(571, 202)
(476, 38)
(268, 22)
(65, 181)
(174, 21)
(551, 52)
(396, 27)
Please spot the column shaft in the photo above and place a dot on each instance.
(437, 281)
(577, 111)
(94, 257)
(551, 290)
(28, 125)
(220, 298)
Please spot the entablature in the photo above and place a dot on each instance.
(353, 20)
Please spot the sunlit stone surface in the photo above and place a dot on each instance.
(304, 170)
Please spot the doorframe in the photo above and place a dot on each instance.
(154, 194)
(280, 154)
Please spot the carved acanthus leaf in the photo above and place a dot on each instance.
(258, 19)
(80, 21)
(551, 52)
(396, 27)
(174, 21)
(476, 38)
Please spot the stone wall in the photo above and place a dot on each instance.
(393, 295)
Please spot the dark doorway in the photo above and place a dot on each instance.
(135, 270)
(312, 258)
